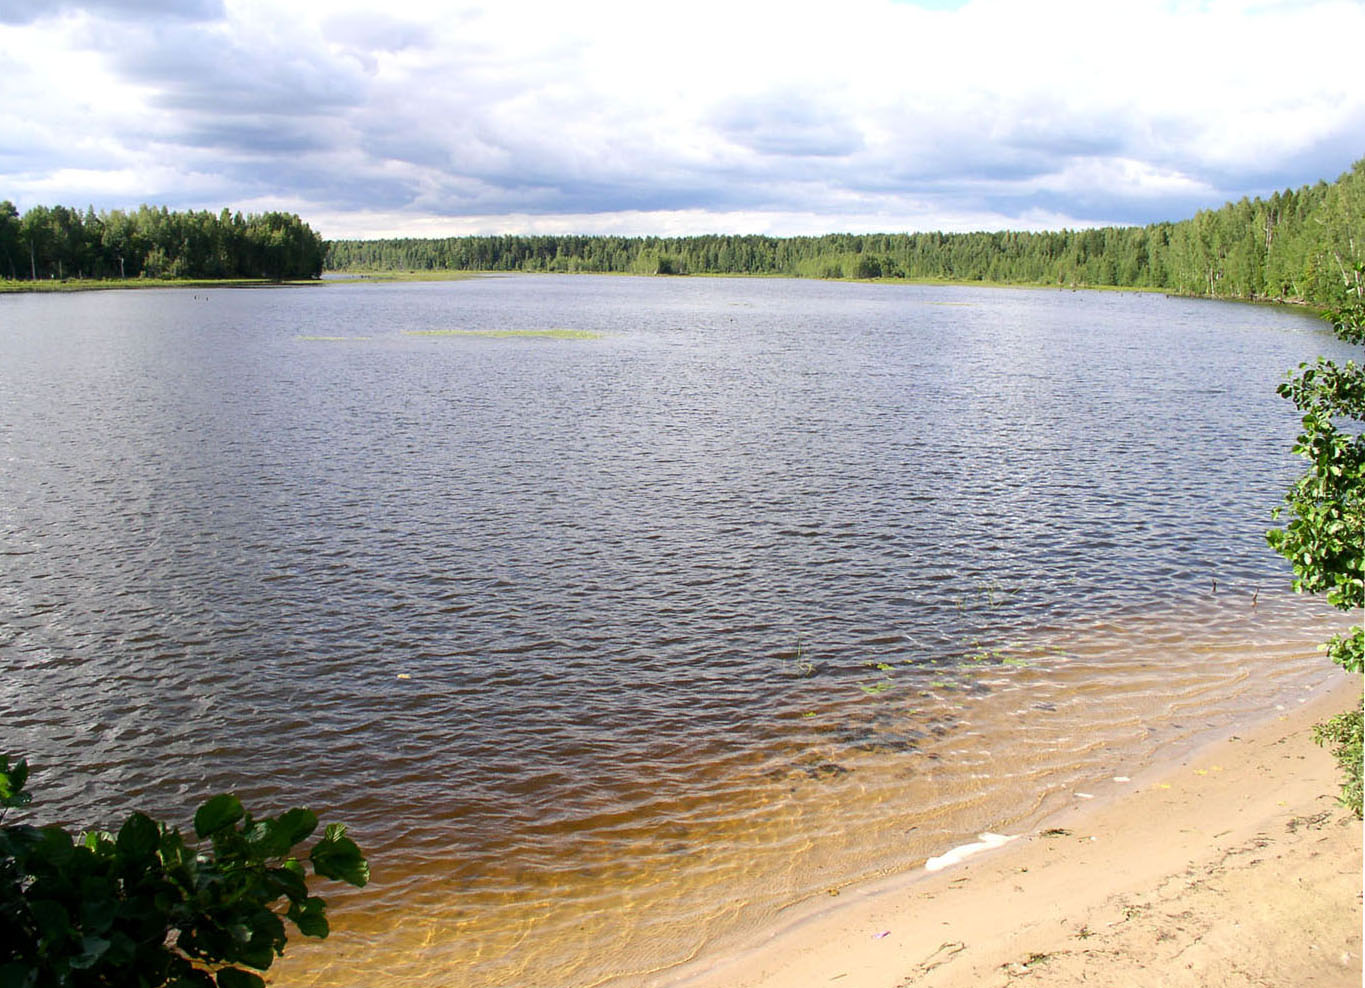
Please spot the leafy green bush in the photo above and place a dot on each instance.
(1342, 735)
(144, 908)
(1326, 531)
(1324, 539)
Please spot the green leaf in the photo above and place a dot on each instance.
(267, 840)
(98, 905)
(276, 838)
(290, 882)
(15, 975)
(336, 856)
(55, 846)
(1348, 650)
(139, 837)
(92, 949)
(12, 779)
(51, 919)
(217, 814)
(311, 918)
(122, 950)
(265, 940)
(298, 824)
(232, 977)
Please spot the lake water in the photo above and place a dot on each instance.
(609, 645)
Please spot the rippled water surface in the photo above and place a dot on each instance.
(610, 644)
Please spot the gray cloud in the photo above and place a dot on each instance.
(1057, 133)
(1322, 159)
(198, 68)
(1112, 209)
(323, 180)
(788, 125)
(27, 11)
(260, 135)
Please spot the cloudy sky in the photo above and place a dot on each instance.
(429, 117)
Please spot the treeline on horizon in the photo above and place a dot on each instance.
(49, 242)
(1295, 246)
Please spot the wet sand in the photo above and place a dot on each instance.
(1230, 866)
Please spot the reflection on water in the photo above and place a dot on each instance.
(718, 596)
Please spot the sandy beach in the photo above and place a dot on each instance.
(1232, 865)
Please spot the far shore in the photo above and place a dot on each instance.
(456, 275)
(1232, 866)
(50, 285)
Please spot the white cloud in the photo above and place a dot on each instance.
(754, 117)
(665, 223)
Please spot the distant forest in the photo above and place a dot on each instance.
(1298, 245)
(57, 242)
(1294, 246)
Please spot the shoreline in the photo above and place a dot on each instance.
(68, 285)
(1230, 864)
(342, 276)
(456, 274)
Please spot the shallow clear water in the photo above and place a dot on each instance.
(754, 589)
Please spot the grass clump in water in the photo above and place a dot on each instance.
(499, 334)
(358, 277)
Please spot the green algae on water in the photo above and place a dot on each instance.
(547, 334)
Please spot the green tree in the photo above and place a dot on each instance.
(144, 908)
(120, 245)
(9, 240)
(867, 266)
(35, 236)
(1326, 530)
(1248, 249)
(1324, 539)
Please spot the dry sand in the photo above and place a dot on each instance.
(1232, 866)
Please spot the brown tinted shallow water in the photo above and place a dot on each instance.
(841, 793)
(612, 644)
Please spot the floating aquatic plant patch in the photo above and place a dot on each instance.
(549, 334)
